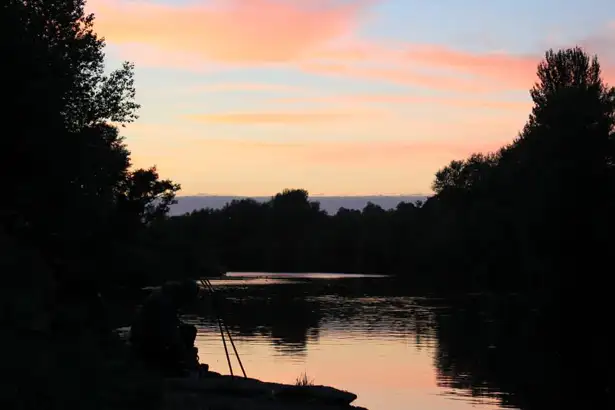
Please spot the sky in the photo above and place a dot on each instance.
(339, 97)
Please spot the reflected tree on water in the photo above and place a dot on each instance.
(292, 316)
(497, 349)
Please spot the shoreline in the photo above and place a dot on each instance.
(216, 391)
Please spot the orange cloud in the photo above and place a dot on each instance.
(233, 31)
(271, 117)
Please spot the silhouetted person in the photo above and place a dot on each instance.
(159, 337)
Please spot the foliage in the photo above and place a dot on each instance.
(75, 191)
(68, 189)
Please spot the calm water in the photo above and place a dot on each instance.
(396, 352)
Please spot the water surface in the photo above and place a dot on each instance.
(395, 351)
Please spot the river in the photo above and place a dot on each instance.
(395, 350)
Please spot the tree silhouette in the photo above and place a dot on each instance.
(68, 184)
(74, 191)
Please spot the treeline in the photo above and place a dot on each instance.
(289, 233)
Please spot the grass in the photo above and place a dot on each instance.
(303, 380)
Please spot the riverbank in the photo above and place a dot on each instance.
(218, 392)
(214, 391)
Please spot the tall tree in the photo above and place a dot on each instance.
(66, 167)
(566, 147)
(512, 214)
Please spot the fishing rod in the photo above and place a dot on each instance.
(207, 285)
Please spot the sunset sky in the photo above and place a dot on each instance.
(340, 97)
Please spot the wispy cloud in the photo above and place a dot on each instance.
(406, 76)
(380, 152)
(373, 156)
(444, 68)
(396, 99)
(271, 117)
(230, 87)
(514, 70)
(153, 56)
(200, 157)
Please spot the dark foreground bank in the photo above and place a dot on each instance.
(201, 388)
(226, 392)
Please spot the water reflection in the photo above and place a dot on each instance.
(394, 351)
(247, 275)
(498, 349)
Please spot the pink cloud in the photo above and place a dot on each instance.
(504, 68)
(232, 31)
(514, 70)
(448, 69)
(396, 75)
(408, 99)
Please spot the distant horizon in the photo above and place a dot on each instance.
(310, 195)
(329, 203)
